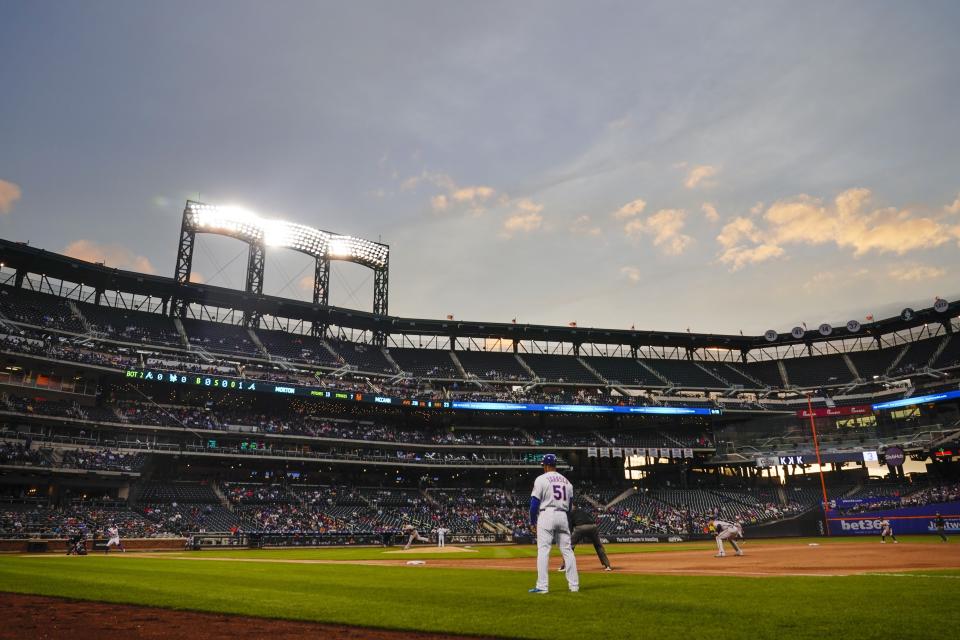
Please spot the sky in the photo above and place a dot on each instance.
(712, 166)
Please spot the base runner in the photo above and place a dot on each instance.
(726, 531)
(549, 503)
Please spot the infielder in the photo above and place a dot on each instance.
(886, 530)
(549, 504)
(415, 536)
(441, 532)
(584, 527)
(114, 534)
(726, 531)
(941, 526)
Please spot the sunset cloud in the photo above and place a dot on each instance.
(112, 255)
(9, 193)
(630, 210)
(583, 226)
(699, 174)
(631, 273)
(847, 222)
(710, 212)
(913, 272)
(665, 228)
(526, 218)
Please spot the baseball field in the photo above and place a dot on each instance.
(781, 588)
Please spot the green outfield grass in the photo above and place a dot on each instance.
(493, 602)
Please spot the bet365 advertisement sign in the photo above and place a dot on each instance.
(909, 520)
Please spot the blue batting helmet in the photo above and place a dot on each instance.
(550, 459)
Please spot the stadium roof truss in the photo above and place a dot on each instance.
(260, 233)
(30, 267)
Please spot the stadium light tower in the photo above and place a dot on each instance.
(260, 233)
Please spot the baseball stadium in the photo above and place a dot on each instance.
(186, 455)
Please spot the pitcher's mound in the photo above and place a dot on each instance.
(426, 549)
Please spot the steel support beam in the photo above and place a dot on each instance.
(321, 293)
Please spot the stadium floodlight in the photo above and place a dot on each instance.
(245, 225)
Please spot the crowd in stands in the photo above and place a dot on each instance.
(19, 453)
(101, 459)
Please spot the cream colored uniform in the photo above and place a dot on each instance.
(414, 535)
(555, 494)
(441, 533)
(727, 531)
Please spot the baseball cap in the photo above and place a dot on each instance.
(549, 459)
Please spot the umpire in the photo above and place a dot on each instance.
(584, 527)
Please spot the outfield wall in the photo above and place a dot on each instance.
(907, 520)
(59, 545)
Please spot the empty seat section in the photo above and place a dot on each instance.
(131, 326)
(220, 338)
(294, 346)
(874, 362)
(559, 368)
(767, 372)
(425, 363)
(365, 357)
(818, 371)
(625, 371)
(684, 373)
(492, 365)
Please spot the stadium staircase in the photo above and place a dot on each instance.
(896, 361)
(389, 358)
(712, 374)
(620, 498)
(333, 352)
(596, 504)
(75, 310)
(783, 373)
(936, 353)
(184, 340)
(526, 367)
(221, 496)
(593, 371)
(255, 339)
(459, 365)
(746, 375)
(602, 438)
(852, 367)
(656, 374)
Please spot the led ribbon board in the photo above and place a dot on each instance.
(159, 376)
(249, 227)
(909, 402)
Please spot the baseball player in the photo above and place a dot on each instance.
(441, 532)
(584, 527)
(415, 536)
(886, 530)
(114, 534)
(549, 504)
(941, 525)
(726, 531)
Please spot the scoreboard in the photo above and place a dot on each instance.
(240, 385)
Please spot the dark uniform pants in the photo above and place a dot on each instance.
(590, 532)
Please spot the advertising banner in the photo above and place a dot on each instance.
(904, 521)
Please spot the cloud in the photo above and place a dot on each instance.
(473, 194)
(439, 202)
(9, 193)
(525, 219)
(196, 277)
(665, 227)
(630, 273)
(698, 174)
(710, 212)
(955, 207)
(913, 272)
(630, 209)
(829, 280)
(583, 226)
(112, 255)
(474, 198)
(848, 222)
